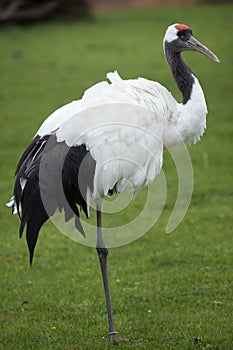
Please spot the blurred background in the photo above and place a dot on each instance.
(30, 10)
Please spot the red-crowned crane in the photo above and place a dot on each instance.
(84, 135)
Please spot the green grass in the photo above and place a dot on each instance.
(186, 278)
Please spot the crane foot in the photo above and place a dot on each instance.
(113, 339)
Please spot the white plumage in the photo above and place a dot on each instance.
(127, 120)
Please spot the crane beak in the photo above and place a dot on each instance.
(195, 45)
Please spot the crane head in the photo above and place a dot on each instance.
(180, 38)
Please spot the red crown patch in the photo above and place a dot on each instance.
(182, 27)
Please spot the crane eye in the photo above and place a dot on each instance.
(184, 34)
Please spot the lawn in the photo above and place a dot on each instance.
(169, 291)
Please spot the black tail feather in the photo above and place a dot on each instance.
(34, 225)
(66, 176)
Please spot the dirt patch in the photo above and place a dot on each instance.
(108, 5)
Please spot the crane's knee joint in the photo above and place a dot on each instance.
(102, 252)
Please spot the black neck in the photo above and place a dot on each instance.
(181, 72)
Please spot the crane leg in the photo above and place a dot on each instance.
(102, 254)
